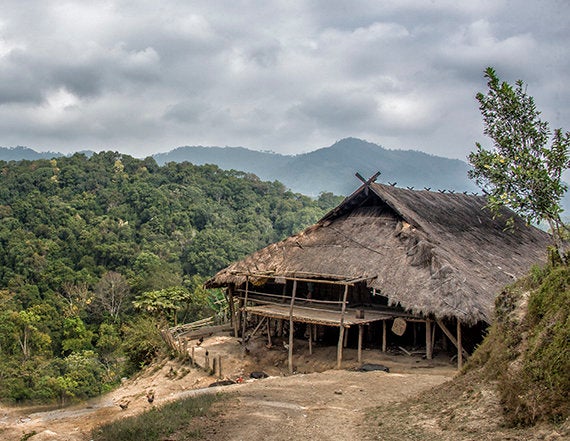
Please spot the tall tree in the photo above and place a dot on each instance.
(521, 170)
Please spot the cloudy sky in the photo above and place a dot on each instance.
(146, 76)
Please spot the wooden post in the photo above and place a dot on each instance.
(345, 341)
(341, 330)
(459, 346)
(291, 327)
(310, 339)
(193, 359)
(233, 310)
(360, 332)
(269, 331)
(429, 347)
(244, 316)
(220, 366)
(383, 335)
(451, 338)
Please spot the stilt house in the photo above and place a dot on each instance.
(385, 259)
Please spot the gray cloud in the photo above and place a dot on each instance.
(148, 76)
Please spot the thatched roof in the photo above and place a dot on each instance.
(433, 253)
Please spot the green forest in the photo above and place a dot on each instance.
(98, 253)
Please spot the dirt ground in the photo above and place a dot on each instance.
(318, 402)
(316, 399)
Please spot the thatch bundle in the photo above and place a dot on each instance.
(437, 254)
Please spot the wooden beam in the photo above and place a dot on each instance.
(451, 337)
(310, 339)
(341, 330)
(257, 327)
(429, 347)
(291, 327)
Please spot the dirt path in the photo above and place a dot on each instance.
(320, 406)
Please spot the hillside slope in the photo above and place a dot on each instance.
(517, 384)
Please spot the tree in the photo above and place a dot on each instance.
(111, 292)
(521, 171)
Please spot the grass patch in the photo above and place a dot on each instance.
(158, 423)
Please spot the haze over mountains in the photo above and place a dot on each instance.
(329, 169)
(333, 168)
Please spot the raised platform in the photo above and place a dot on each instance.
(303, 314)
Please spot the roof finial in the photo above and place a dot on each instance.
(368, 181)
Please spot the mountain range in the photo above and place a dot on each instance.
(332, 169)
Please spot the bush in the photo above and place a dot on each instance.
(142, 342)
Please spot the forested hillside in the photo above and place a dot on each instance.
(95, 251)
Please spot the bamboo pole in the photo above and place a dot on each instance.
(291, 327)
(341, 330)
(310, 339)
(429, 347)
(383, 335)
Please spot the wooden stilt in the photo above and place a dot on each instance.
(459, 346)
(341, 330)
(345, 341)
(244, 316)
(429, 347)
(269, 332)
(232, 310)
(315, 332)
(220, 375)
(291, 327)
(339, 347)
(360, 332)
(383, 335)
(310, 339)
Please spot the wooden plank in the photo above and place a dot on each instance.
(451, 337)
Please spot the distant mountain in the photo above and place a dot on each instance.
(19, 153)
(333, 168)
